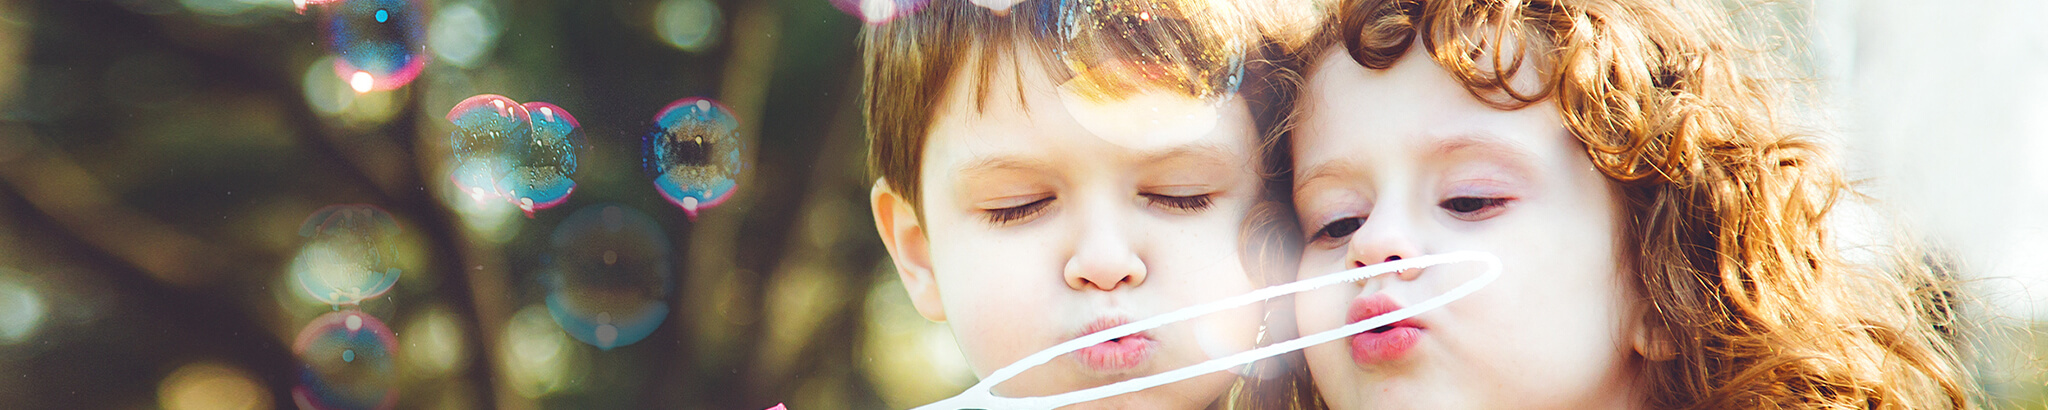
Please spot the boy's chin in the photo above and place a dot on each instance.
(1194, 393)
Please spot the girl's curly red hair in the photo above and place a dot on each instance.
(1726, 202)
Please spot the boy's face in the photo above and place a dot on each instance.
(1036, 232)
(1406, 162)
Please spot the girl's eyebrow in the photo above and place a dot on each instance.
(1515, 152)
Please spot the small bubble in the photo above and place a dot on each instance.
(606, 286)
(349, 255)
(384, 40)
(363, 377)
(693, 153)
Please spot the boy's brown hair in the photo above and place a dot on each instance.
(909, 63)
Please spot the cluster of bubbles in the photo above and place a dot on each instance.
(521, 153)
(346, 355)
(693, 154)
(608, 276)
(381, 44)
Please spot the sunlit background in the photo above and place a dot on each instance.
(160, 161)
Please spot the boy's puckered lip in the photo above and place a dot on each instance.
(1115, 356)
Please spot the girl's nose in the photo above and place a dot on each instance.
(1384, 237)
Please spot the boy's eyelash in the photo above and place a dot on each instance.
(1192, 203)
(1002, 216)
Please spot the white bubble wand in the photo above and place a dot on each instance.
(980, 397)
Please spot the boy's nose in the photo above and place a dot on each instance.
(1383, 238)
(1104, 260)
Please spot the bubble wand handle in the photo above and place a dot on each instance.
(980, 396)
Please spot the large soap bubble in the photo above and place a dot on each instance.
(693, 153)
(608, 275)
(381, 43)
(349, 255)
(347, 363)
(522, 153)
(1151, 72)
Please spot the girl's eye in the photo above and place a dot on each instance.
(1473, 208)
(1338, 229)
(1185, 204)
(1004, 216)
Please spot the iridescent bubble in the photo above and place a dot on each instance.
(347, 359)
(608, 276)
(693, 153)
(349, 255)
(381, 42)
(522, 153)
(880, 11)
(1151, 71)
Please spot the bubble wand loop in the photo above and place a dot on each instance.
(980, 396)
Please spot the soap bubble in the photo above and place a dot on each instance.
(879, 11)
(693, 153)
(608, 275)
(1151, 72)
(349, 255)
(347, 363)
(381, 42)
(522, 153)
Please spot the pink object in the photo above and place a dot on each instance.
(778, 406)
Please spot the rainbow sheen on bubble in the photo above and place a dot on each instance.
(347, 363)
(880, 11)
(381, 44)
(349, 255)
(1151, 72)
(520, 153)
(693, 153)
(608, 275)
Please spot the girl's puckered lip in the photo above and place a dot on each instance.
(1116, 355)
(1384, 343)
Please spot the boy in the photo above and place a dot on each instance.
(1026, 202)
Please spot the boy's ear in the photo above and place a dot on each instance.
(904, 236)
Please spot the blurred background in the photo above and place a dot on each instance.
(159, 159)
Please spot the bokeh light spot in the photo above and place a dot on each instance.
(22, 310)
(690, 25)
(211, 386)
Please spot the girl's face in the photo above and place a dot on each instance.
(1405, 162)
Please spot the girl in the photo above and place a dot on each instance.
(1663, 231)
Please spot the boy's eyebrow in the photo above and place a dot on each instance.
(1201, 151)
(999, 163)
